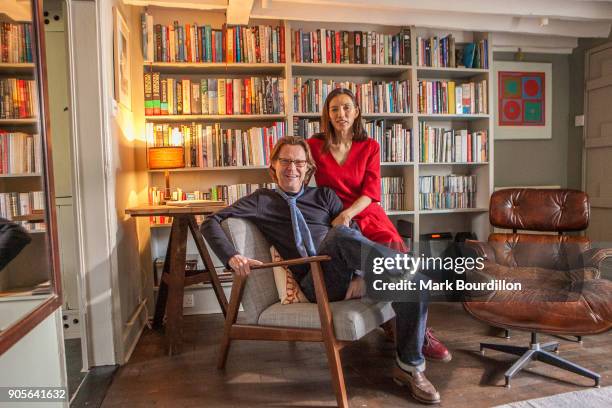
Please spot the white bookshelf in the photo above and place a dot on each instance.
(425, 221)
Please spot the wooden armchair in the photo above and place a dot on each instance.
(335, 324)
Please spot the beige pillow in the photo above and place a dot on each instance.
(288, 289)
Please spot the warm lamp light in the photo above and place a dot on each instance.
(166, 158)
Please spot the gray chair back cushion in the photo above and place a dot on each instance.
(260, 289)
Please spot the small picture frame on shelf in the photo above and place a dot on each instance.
(121, 60)
(522, 92)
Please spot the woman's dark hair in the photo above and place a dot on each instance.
(328, 134)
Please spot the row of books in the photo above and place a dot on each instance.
(213, 96)
(392, 194)
(442, 52)
(395, 141)
(305, 127)
(201, 43)
(211, 146)
(15, 42)
(228, 193)
(373, 97)
(17, 98)
(450, 97)
(19, 204)
(20, 153)
(350, 47)
(447, 192)
(440, 145)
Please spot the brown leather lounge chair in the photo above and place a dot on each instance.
(562, 291)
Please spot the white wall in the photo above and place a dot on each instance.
(37, 360)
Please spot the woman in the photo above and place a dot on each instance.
(348, 161)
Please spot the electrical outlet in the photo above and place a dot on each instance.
(188, 300)
(71, 324)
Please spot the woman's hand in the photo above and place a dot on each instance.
(242, 265)
(342, 219)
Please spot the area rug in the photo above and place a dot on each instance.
(593, 398)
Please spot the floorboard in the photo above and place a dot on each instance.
(281, 374)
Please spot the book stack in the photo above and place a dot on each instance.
(212, 96)
(475, 55)
(447, 192)
(350, 47)
(21, 204)
(392, 194)
(436, 52)
(306, 127)
(20, 153)
(15, 42)
(211, 146)
(450, 97)
(395, 141)
(17, 98)
(442, 52)
(373, 97)
(232, 193)
(440, 145)
(156, 197)
(201, 43)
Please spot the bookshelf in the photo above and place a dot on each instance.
(21, 165)
(424, 221)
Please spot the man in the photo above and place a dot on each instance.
(296, 219)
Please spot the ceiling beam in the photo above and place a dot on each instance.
(239, 11)
(561, 9)
(186, 4)
(455, 21)
(532, 43)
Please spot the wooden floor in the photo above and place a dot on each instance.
(281, 374)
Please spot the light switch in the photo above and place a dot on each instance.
(579, 120)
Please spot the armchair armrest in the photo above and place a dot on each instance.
(482, 249)
(596, 258)
(296, 261)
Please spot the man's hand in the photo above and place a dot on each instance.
(242, 265)
(356, 288)
(342, 219)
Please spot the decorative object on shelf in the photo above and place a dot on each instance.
(166, 158)
(121, 54)
(523, 93)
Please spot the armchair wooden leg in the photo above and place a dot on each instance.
(230, 318)
(332, 346)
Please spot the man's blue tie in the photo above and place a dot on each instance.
(301, 233)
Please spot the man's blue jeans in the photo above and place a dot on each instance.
(351, 251)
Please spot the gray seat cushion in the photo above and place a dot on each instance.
(353, 319)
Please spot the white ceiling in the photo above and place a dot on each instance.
(535, 25)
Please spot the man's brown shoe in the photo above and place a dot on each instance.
(419, 386)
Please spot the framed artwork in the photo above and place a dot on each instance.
(522, 94)
(121, 57)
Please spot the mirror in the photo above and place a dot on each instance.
(29, 289)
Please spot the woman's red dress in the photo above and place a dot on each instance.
(358, 175)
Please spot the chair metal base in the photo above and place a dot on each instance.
(539, 352)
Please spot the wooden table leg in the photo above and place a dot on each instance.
(176, 285)
(208, 263)
(162, 293)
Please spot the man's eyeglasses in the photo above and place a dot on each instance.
(300, 164)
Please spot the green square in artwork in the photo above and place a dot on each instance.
(533, 112)
(511, 87)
